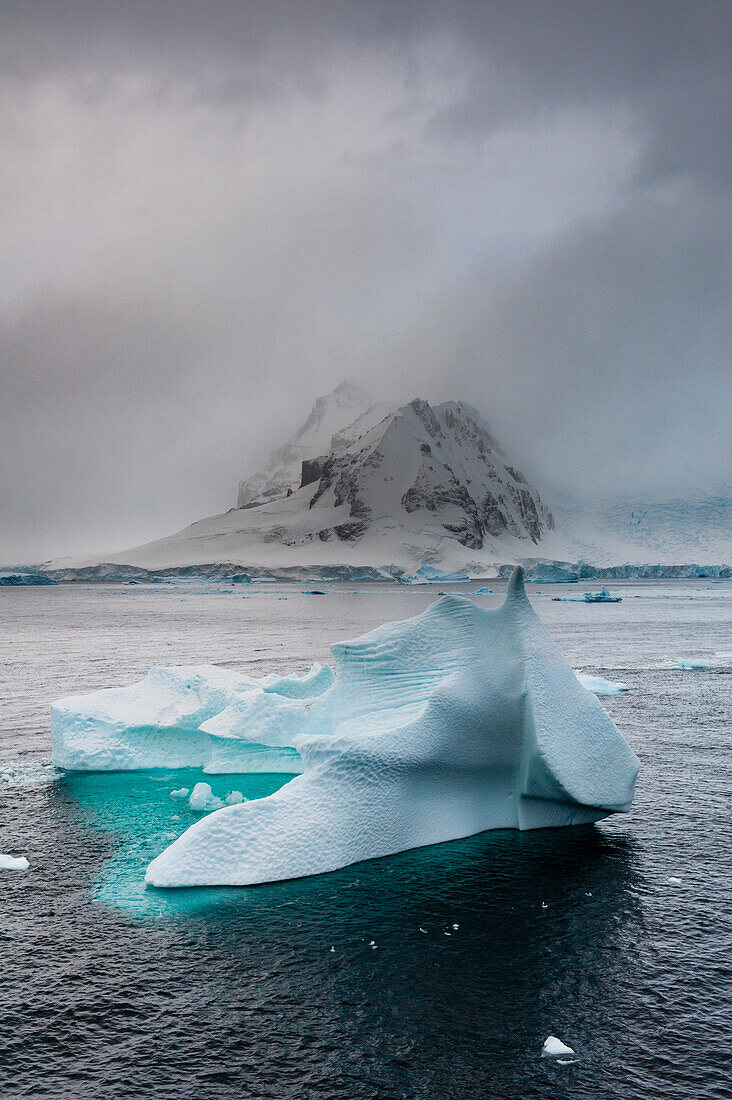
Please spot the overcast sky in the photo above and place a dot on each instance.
(212, 212)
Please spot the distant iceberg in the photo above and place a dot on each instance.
(430, 574)
(447, 724)
(603, 596)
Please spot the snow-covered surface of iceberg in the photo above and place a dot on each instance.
(447, 724)
(156, 722)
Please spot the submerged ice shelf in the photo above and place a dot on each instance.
(447, 724)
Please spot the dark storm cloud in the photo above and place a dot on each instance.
(213, 212)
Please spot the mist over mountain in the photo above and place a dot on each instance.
(363, 485)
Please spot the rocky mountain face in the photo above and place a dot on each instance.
(438, 466)
(334, 422)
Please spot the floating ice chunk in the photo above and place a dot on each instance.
(182, 792)
(203, 799)
(13, 863)
(458, 720)
(234, 798)
(553, 1047)
(156, 723)
(484, 592)
(672, 880)
(603, 596)
(598, 685)
(692, 662)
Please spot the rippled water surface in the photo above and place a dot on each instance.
(112, 990)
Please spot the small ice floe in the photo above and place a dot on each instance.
(455, 927)
(313, 592)
(484, 592)
(598, 685)
(175, 817)
(544, 905)
(554, 1047)
(672, 880)
(13, 863)
(181, 793)
(234, 798)
(693, 663)
(373, 944)
(423, 929)
(332, 950)
(203, 799)
(30, 774)
(566, 1061)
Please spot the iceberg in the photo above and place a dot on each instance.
(447, 724)
(156, 722)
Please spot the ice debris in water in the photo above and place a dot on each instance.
(455, 721)
(553, 1047)
(598, 685)
(234, 798)
(672, 880)
(692, 662)
(203, 799)
(13, 863)
(182, 792)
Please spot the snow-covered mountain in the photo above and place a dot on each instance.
(420, 483)
(334, 422)
(364, 486)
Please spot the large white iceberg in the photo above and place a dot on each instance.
(456, 721)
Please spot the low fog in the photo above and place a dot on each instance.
(214, 212)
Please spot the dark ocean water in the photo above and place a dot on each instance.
(112, 990)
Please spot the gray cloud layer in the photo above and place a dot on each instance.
(212, 212)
